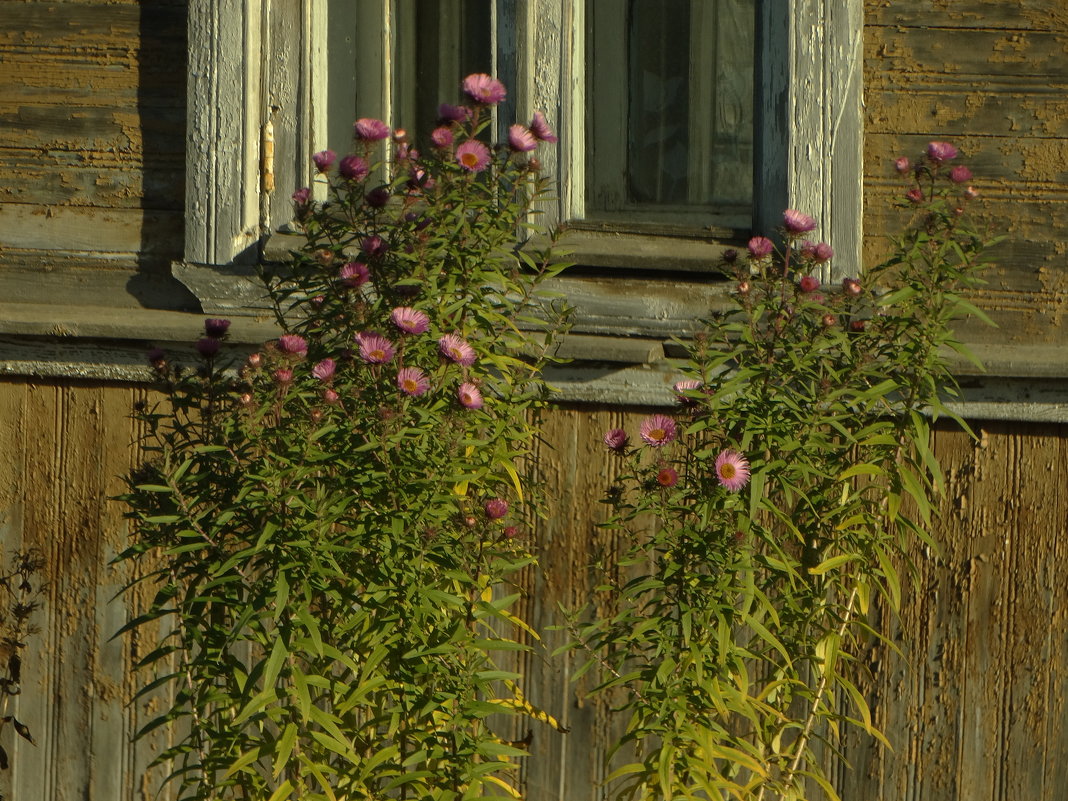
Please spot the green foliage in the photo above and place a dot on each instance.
(330, 533)
(799, 476)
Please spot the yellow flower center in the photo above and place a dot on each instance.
(728, 470)
(657, 433)
(469, 160)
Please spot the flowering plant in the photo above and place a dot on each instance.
(328, 531)
(765, 516)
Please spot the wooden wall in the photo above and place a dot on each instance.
(92, 135)
(979, 713)
(991, 77)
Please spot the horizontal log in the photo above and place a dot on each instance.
(133, 231)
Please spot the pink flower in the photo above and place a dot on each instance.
(370, 129)
(520, 139)
(283, 376)
(456, 349)
(658, 430)
(822, 252)
(941, 151)
(373, 245)
(797, 223)
(473, 156)
(495, 508)
(682, 388)
(914, 195)
(809, 283)
(667, 477)
(255, 360)
(377, 197)
(354, 275)
(616, 439)
(441, 137)
(216, 327)
(469, 396)
(732, 470)
(302, 196)
(481, 88)
(540, 128)
(851, 286)
(331, 397)
(157, 357)
(293, 344)
(207, 347)
(960, 174)
(902, 164)
(324, 160)
(760, 246)
(410, 321)
(412, 381)
(447, 113)
(374, 348)
(353, 168)
(324, 370)
(971, 192)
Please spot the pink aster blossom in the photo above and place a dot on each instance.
(658, 430)
(456, 349)
(293, 344)
(667, 477)
(216, 327)
(207, 347)
(441, 137)
(473, 156)
(732, 470)
(760, 246)
(540, 128)
(410, 321)
(324, 370)
(447, 113)
(481, 88)
(941, 151)
(495, 508)
(851, 286)
(370, 129)
(682, 388)
(902, 164)
(331, 397)
(469, 396)
(412, 381)
(797, 222)
(301, 196)
(354, 275)
(960, 174)
(616, 439)
(283, 376)
(353, 168)
(373, 245)
(375, 348)
(809, 283)
(822, 252)
(520, 139)
(324, 160)
(377, 197)
(914, 195)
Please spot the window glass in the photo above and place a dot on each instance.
(670, 110)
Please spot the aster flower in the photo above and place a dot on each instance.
(941, 151)
(207, 347)
(809, 283)
(283, 376)
(520, 139)
(960, 174)
(157, 357)
(377, 197)
(412, 381)
(469, 396)
(375, 348)
(331, 397)
(902, 164)
(409, 320)
(441, 137)
(301, 196)
(370, 129)
(914, 195)
(495, 508)
(822, 252)
(540, 128)
(324, 370)
(851, 286)
(658, 430)
(473, 156)
(353, 168)
(732, 470)
(293, 344)
(667, 477)
(324, 160)
(616, 439)
(447, 113)
(797, 222)
(482, 88)
(760, 246)
(456, 349)
(373, 245)
(354, 275)
(685, 386)
(216, 327)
